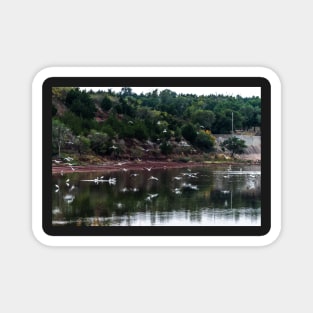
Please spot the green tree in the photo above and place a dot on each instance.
(60, 135)
(189, 133)
(234, 145)
(99, 143)
(204, 118)
(205, 141)
(106, 103)
(80, 103)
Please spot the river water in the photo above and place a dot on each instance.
(212, 195)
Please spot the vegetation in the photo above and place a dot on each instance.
(235, 145)
(156, 124)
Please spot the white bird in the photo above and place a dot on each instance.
(134, 175)
(153, 178)
(113, 147)
(148, 168)
(177, 178)
(62, 173)
(153, 195)
(57, 186)
(67, 180)
(68, 159)
(57, 162)
(125, 170)
(72, 188)
(73, 169)
(177, 191)
(119, 205)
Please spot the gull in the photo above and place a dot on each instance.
(119, 205)
(153, 195)
(177, 191)
(153, 178)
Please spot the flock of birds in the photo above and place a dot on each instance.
(183, 179)
(68, 162)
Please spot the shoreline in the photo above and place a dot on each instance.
(142, 165)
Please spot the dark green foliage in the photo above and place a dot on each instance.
(106, 103)
(204, 118)
(189, 133)
(166, 148)
(234, 145)
(99, 143)
(160, 117)
(54, 110)
(204, 141)
(80, 103)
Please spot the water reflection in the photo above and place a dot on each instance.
(164, 197)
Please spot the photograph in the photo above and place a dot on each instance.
(155, 156)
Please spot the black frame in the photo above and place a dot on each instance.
(157, 82)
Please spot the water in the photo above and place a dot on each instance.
(212, 195)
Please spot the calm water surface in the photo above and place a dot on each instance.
(213, 195)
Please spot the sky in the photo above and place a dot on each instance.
(229, 91)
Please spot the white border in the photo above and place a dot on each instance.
(156, 72)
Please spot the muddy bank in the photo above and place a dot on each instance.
(136, 166)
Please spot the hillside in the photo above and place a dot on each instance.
(102, 126)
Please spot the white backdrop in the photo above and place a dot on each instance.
(37, 34)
